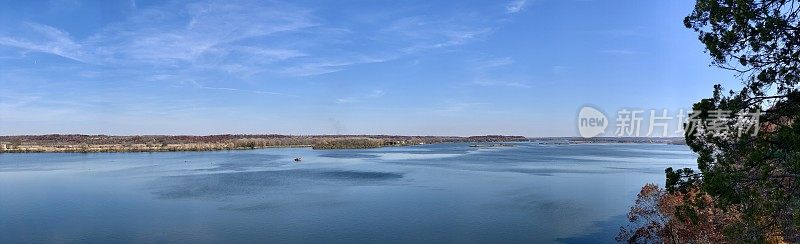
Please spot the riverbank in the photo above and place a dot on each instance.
(167, 143)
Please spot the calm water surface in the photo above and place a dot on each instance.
(428, 193)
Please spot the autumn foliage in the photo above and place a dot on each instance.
(680, 217)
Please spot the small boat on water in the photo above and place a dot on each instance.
(298, 159)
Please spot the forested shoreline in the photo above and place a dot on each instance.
(158, 143)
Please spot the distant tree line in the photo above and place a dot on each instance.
(105, 143)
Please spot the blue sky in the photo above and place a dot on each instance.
(341, 67)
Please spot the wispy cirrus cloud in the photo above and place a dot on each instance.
(423, 33)
(204, 35)
(515, 6)
(499, 82)
(494, 72)
(206, 30)
(318, 66)
(244, 38)
(372, 95)
(450, 106)
(46, 39)
(195, 84)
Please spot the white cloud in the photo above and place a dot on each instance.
(345, 100)
(154, 36)
(376, 94)
(497, 72)
(310, 69)
(245, 39)
(200, 86)
(205, 35)
(373, 95)
(48, 40)
(458, 106)
(498, 82)
(325, 65)
(515, 6)
(423, 33)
